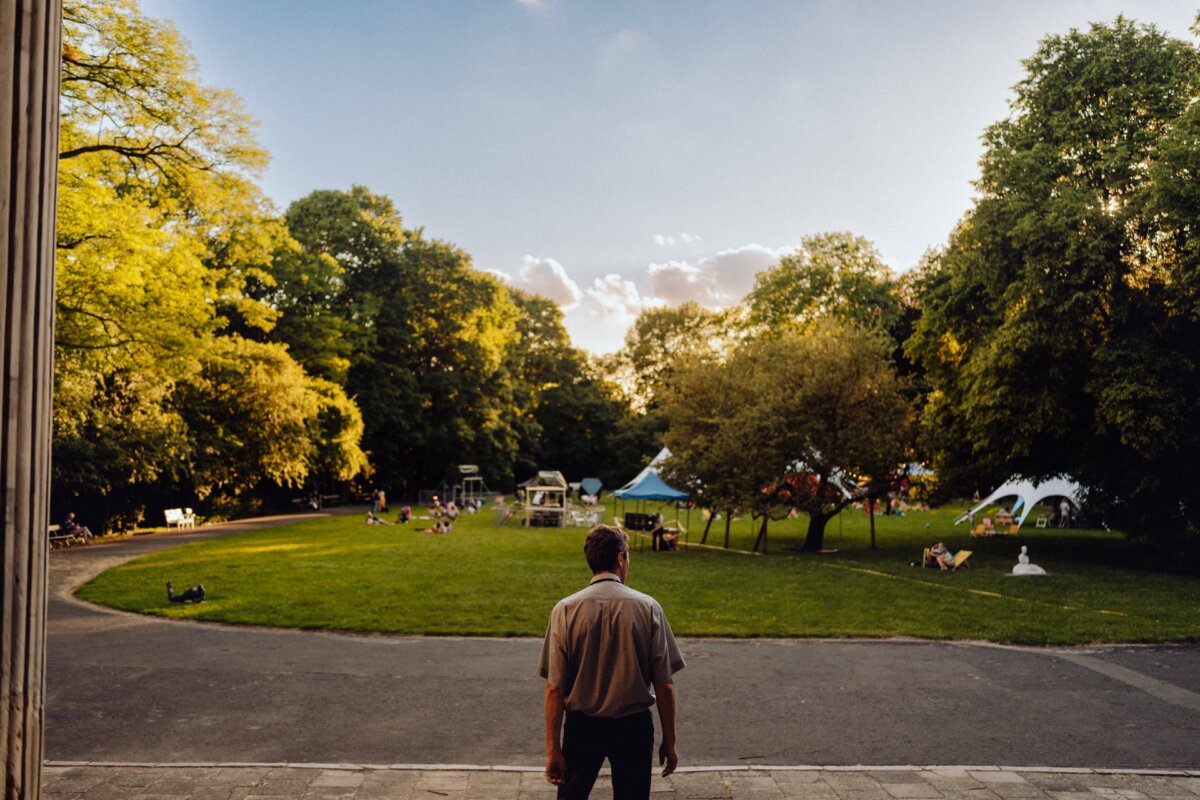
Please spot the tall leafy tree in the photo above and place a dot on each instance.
(788, 414)
(831, 275)
(161, 228)
(435, 388)
(661, 341)
(426, 337)
(1060, 324)
(571, 417)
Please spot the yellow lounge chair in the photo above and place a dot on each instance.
(960, 558)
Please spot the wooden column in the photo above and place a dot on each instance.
(30, 52)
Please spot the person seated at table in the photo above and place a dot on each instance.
(662, 538)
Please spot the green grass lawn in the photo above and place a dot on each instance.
(339, 573)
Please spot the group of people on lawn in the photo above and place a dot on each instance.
(443, 513)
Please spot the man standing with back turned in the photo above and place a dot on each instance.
(605, 647)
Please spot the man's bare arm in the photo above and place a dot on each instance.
(667, 757)
(556, 765)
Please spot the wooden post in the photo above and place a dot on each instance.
(30, 53)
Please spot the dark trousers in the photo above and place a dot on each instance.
(627, 743)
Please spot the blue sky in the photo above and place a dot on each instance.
(614, 155)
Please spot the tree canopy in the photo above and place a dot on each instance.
(787, 414)
(160, 230)
(1060, 323)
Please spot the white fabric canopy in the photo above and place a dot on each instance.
(1028, 495)
(652, 467)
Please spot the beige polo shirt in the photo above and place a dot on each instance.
(605, 646)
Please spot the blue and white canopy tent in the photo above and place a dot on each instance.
(649, 486)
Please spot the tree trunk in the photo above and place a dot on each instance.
(728, 519)
(871, 513)
(815, 540)
(707, 525)
(762, 535)
(30, 53)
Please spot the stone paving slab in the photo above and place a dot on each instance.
(67, 781)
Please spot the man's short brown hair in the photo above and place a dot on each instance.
(602, 546)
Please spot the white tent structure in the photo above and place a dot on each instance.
(649, 469)
(1028, 495)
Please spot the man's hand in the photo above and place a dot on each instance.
(556, 768)
(668, 759)
(556, 764)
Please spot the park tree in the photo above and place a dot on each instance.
(831, 275)
(569, 417)
(660, 342)
(792, 418)
(161, 231)
(323, 279)
(1061, 325)
(253, 415)
(703, 408)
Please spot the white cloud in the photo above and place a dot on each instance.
(617, 297)
(716, 281)
(679, 282)
(546, 277)
(734, 270)
(666, 240)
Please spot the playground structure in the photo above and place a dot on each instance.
(545, 502)
(472, 489)
(464, 486)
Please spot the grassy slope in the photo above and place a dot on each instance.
(339, 573)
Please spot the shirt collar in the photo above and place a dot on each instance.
(604, 576)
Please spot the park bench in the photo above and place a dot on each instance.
(59, 538)
(180, 517)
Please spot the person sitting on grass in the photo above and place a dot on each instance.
(373, 519)
(405, 515)
(438, 527)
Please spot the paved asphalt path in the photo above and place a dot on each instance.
(128, 688)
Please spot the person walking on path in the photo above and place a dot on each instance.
(605, 646)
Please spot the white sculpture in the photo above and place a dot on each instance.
(1024, 567)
